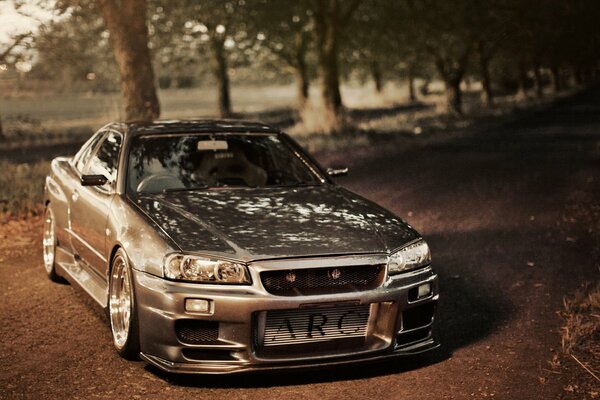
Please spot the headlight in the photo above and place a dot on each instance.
(410, 257)
(205, 270)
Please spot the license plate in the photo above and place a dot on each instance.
(309, 325)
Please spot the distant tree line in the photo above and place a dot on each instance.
(7, 55)
(505, 44)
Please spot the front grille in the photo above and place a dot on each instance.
(314, 281)
(197, 332)
(312, 325)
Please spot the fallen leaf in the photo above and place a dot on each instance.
(569, 388)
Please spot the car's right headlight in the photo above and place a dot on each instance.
(205, 270)
(410, 257)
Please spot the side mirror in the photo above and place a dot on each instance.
(337, 171)
(93, 180)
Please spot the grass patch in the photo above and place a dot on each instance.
(581, 338)
(21, 189)
(24, 130)
(581, 331)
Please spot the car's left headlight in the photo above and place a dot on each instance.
(205, 270)
(410, 257)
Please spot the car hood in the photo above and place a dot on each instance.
(262, 223)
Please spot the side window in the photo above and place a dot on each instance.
(106, 160)
(83, 156)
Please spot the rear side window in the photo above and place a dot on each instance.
(83, 156)
(106, 160)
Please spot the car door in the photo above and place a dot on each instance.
(68, 181)
(90, 205)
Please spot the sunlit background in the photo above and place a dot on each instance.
(58, 72)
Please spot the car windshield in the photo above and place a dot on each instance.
(204, 161)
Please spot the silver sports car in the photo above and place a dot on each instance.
(222, 247)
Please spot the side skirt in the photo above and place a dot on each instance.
(77, 272)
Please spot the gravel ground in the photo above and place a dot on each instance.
(502, 211)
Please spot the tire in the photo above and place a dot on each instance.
(122, 308)
(49, 245)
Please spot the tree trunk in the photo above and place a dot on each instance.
(522, 81)
(487, 96)
(329, 17)
(556, 79)
(579, 76)
(539, 85)
(454, 96)
(410, 81)
(453, 71)
(1, 130)
(328, 68)
(126, 22)
(326, 35)
(221, 73)
(301, 79)
(301, 70)
(376, 74)
(425, 87)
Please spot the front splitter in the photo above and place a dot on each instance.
(235, 367)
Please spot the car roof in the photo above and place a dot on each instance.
(191, 126)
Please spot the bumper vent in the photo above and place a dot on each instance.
(314, 281)
(207, 354)
(418, 317)
(405, 339)
(416, 324)
(197, 332)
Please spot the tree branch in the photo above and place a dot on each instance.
(16, 41)
(345, 16)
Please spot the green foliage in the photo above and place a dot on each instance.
(75, 53)
(398, 35)
(197, 43)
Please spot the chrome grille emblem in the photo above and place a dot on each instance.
(290, 277)
(334, 273)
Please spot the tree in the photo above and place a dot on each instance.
(75, 52)
(372, 52)
(5, 53)
(445, 36)
(530, 37)
(388, 42)
(217, 28)
(329, 20)
(284, 31)
(487, 22)
(126, 22)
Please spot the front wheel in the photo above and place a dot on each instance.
(122, 308)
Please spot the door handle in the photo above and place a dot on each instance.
(75, 195)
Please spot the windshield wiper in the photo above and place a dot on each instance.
(185, 189)
(295, 184)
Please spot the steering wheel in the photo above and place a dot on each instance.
(158, 182)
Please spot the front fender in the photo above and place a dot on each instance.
(143, 242)
(55, 196)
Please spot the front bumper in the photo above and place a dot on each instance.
(399, 324)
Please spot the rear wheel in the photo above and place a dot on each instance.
(122, 308)
(49, 245)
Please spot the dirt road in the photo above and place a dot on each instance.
(511, 215)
